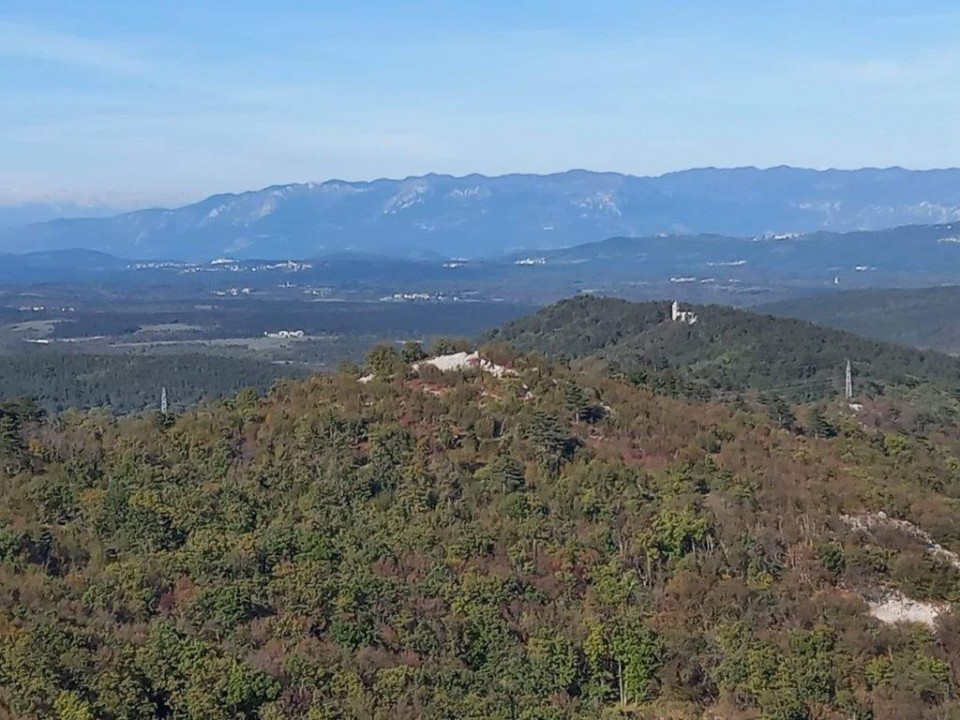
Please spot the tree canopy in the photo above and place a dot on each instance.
(545, 545)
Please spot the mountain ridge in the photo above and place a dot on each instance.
(487, 216)
(18, 213)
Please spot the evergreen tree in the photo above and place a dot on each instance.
(412, 352)
(818, 424)
(575, 401)
(383, 361)
(780, 412)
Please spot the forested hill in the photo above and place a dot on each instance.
(541, 546)
(921, 317)
(131, 383)
(726, 350)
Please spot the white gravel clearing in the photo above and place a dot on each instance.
(464, 361)
(896, 608)
(890, 606)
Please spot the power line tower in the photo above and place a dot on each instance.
(163, 401)
(848, 384)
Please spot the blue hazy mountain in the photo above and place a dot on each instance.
(15, 214)
(701, 267)
(57, 265)
(930, 253)
(477, 215)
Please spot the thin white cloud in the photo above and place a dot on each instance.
(278, 97)
(29, 42)
(931, 75)
(913, 18)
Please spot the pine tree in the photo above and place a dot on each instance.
(818, 424)
(412, 352)
(575, 401)
(781, 413)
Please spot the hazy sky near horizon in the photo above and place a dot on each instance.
(161, 102)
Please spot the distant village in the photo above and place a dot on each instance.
(420, 297)
(223, 265)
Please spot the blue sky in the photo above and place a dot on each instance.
(135, 102)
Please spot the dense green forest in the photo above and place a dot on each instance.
(921, 317)
(726, 352)
(130, 383)
(547, 545)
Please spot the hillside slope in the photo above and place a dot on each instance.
(727, 350)
(922, 317)
(478, 215)
(464, 546)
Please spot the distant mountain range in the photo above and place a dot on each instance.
(16, 213)
(475, 216)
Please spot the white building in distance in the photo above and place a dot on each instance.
(685, 316)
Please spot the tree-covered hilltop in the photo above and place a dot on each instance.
(543, 545)
(131, 383)
(725, 351)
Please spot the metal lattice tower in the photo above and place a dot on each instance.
(163, 400)
(848, 384)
